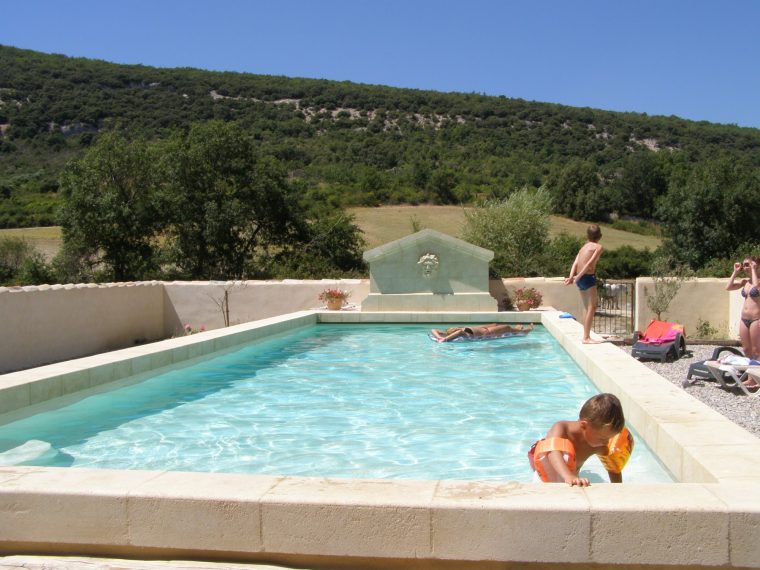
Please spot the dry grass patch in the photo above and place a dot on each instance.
(611, 238)
(47, 239)
(388, 223)
(51, 232)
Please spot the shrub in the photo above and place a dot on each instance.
(515, 229)
(14, 251)
(559, 255)
(528, 295)
(723, 266)
(717, 268)
(624, 262)
(640, 227)
(705, 330)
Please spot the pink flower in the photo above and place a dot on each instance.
(529, 295)
(202, 328)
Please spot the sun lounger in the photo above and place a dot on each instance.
(661, 341)
(753, 373)
(698, 370)
(737, 374)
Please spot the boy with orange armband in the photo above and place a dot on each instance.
(600, 430)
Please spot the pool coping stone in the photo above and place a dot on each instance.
(711, 518)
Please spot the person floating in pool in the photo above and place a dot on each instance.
(492, 330)
(600, 430)
(582, 274)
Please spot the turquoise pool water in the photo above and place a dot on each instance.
(370, 401)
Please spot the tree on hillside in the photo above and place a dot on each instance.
(515, 229)
(441, 186)
(111, 212)
(225, 202)
(709, 212)
(640, 182)
(578, 193)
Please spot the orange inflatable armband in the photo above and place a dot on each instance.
(619, 450)
(539, 461)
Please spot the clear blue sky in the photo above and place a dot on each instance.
(697, 59)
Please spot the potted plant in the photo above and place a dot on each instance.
(189, 329)
(527, 298)
(334, 298)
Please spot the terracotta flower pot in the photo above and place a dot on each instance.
(523, 305)
(334, 304)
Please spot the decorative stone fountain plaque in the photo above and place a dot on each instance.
(428, 271)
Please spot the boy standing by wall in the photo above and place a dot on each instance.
(582, 273)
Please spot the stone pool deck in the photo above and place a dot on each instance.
(711, 518)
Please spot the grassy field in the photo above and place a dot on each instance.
(47, 240)
(387, 223)
(52, 232)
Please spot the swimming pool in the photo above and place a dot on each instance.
(359, 401)
(377, 523)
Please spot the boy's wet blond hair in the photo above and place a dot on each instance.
(594, 233)
(604, 410)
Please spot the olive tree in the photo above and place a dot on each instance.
(515, 229)
(667, 277)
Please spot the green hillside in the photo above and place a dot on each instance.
(358, 145)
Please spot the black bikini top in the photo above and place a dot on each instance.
(753, 292)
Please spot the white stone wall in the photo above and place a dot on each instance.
(198, 302)
(50, 323)
(46, 324)
(555, 293)
(701, 299)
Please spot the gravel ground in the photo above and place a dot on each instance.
(735, 405)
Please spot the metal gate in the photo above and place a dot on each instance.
(616, 303)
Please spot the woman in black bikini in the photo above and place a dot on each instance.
(749, 329)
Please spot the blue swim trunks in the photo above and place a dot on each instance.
(586, 282)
